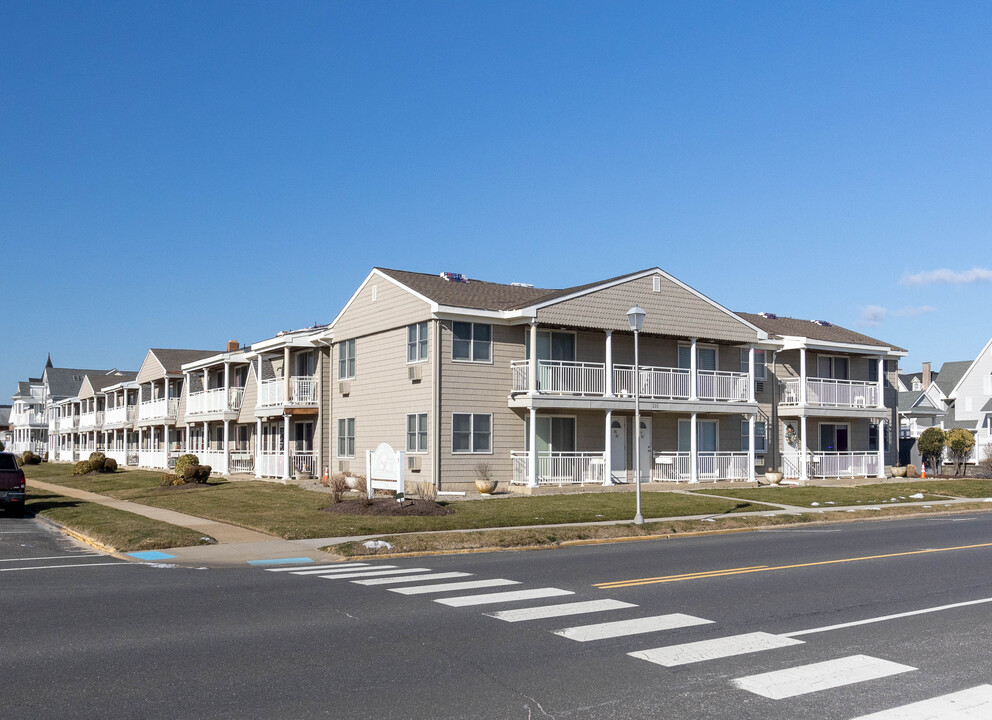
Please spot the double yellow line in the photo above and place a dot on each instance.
(766, 568)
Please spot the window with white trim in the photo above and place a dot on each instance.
(416, 342)
(346, 359)
(472, 342)
(760, 439)
(346, 437)
(471, 433)
(834, 367)
(416, 433)
(705, 357)
(760, 369)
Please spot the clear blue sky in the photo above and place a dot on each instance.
(180, 174)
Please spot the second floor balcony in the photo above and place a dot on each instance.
(68, 423)
(580, 379)
(216, 400)
(302, 391)
(825, 392)
(91, 420)
(121, 415)
(28, 419)
(161, 409)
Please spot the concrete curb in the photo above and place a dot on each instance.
(86, 539)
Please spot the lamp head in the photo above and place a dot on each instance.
(636, 317)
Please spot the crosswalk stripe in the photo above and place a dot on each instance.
(550, 611)
(702, 650)
(371, 573)
(510, 596)
(448, 587)
(971, 704)
(812, 678)
(636, 626)
(339, 569)
(335, 566)
(412, 578)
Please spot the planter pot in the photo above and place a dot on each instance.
(486, 487)
(899, 471)
(351, 482)
(773, 477)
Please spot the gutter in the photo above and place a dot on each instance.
(436, 403)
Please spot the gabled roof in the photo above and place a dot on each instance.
(950, 375)
(173, 360)
(971, 365)
(987, 407)
(65, 382)
(93, 384)
(795, 327)
(474, 294)
(917, 401)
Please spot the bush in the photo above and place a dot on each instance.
(196, 473)
(46, 456)
(339, 486)
(931, 447)
(97, 460)
(109, 465)
(426, 491)
(29, 458)
(82, 467)
(183, 461)
(168, 480)
(960, 442)
(912, 471)
(984, 469)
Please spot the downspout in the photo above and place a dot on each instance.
(776, 459)
(436, 402)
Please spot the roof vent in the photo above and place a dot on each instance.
(454, 277)
(522, 284)
(769, 316)
(822, 323)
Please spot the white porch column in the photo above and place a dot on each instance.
(165, 443)
(694, 444)
(226, 468)
(750, 440)
(881, 384)
(881, 449)
(285, 438)
(285, 382)
(258, 441)
(608, 447)
(693, 377)
(532, 364)
(609, 378)
(802, 381)
(532, 447)
(206, 381)
(206, 438)
(803, 452)
(141, 442)
(750, 376)
(227, 389)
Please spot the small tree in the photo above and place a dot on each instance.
(960, 442)
(931, 446)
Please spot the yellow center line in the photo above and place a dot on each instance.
(766, 568)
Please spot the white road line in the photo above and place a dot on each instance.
(335, 566)
(702, 650)
(413, 578)
(336, 570)
(448, 587)
(371, 573)
(52, 557)
(971, 704)
(550, 611)
(812, 678)
(511, 596)
(59, 567)
(637, 626)
(886, 617)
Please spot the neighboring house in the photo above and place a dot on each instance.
(94, 435)
(121, 400)
(63, 409)
(443, 368)
(28, 424)
(6, 436)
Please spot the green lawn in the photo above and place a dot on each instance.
(863, 494)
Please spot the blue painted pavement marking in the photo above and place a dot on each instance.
(151, 555)
(280, 561)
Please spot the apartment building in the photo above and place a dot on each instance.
(27, 420)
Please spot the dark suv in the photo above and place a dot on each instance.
(11, 484)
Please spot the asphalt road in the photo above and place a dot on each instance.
(146, 641)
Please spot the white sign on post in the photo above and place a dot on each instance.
(385, 470)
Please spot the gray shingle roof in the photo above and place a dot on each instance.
(173, 360)
(908, 400)
(65, 382)
(814, 331)
(951, 374)
(102, 380)
(987, 407)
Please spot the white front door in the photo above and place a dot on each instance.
(618, 449)
(645, 446)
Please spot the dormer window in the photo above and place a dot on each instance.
(917, 385)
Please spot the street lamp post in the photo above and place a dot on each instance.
(636, 317)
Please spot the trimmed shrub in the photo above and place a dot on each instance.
(183, 461)
(82, 467)
(109, 465)
(931, 446)
(97, 459)
(960, 443)
(196, 473)
(29, 458)
(170, 480)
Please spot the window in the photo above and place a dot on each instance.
(471, 341)
(471, 433)
(555, 433)
(346, 437)
(416, 342)
(303, 432)
(833, 367)
(416, 433)
(760, 439)
(760, 369)
(833, 438)
(552, 345)
(305, 363)
(346, 360)
(873, 438)
(705, 357)
(706, 436)
(873, 373)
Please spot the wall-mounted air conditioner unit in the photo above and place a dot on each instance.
(413, 463)
(414, 372)
(344, 388)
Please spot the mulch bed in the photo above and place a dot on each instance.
(389, 506)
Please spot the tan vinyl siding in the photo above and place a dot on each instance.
(247, 413)
(181, 413)
(393, 307)
(675, 311)
(151, 369)
(381, 395)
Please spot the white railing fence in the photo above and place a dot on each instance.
(831, 464)
(721, 385)
(831, 393)
(560, 468)
(242, 462)
(710, 466)
(161, 408)
(304, 462)
(272, 464)
(272, 392)
(303, 389)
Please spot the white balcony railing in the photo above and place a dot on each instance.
(120, 415)
(27, 419)
(91, 420)
(68, 424)
(214, 458)
(153, 459)
(272, 463)
(160, 409)
(710, 466)
(304, 462)
(831, 393)
(302, 391)
(242, 462)
(556, 377)
(560, 468)
(831, 464)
